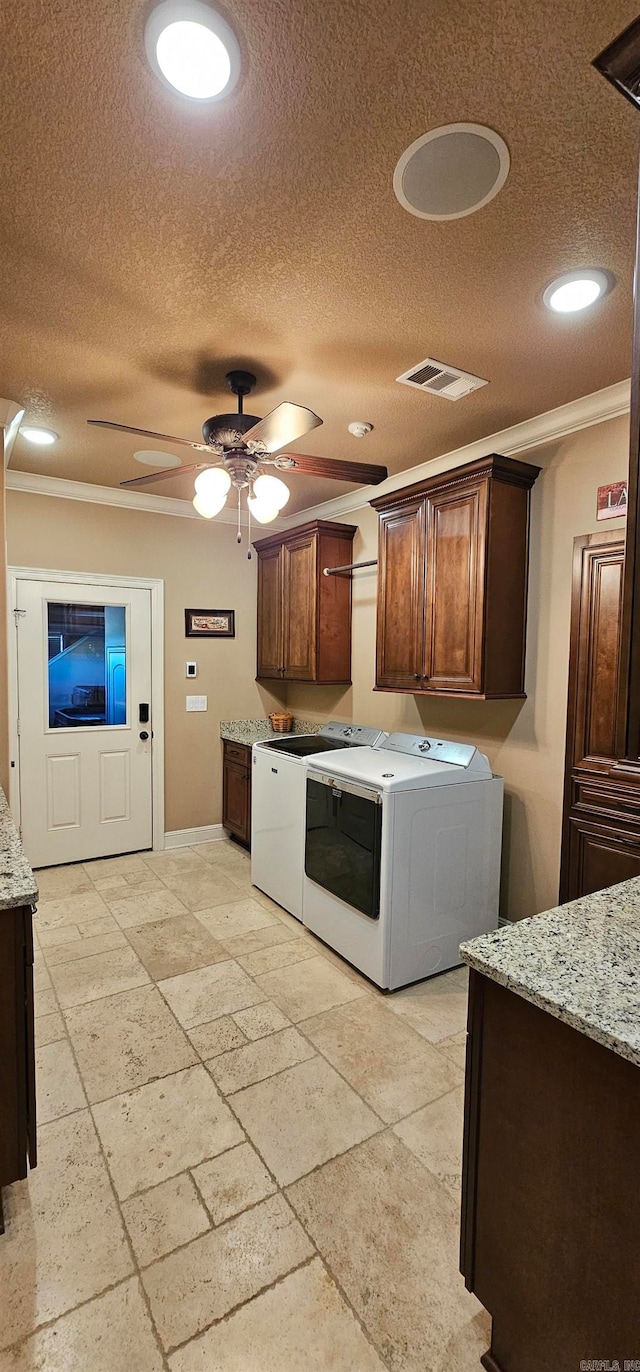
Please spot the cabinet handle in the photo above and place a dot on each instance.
(417, 676)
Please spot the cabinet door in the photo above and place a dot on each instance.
(299, 574)
(456, 537)
(400, 630)
(270, 662)
(599, 857)
(236, 801)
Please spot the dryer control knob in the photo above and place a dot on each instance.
(424, 747)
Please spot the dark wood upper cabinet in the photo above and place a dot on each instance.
(452, 588)
(304, 618)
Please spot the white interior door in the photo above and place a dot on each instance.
(85, 747)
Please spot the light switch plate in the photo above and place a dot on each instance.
(196, 703)
(191, 669)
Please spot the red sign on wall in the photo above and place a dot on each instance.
(612, 500)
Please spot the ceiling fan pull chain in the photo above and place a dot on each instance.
(249, 530)
(239, 534)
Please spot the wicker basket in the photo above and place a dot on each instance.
(281, 721)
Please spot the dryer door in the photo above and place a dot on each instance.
(343, 841)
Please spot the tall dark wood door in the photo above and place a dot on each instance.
(601, 828)
(454, 588)
(270, 613)
(400, 633)
(300, 609)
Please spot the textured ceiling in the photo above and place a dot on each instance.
(148, 243)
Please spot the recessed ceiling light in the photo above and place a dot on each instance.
(576, 290)
(43, 437)
(192, 49)
(157, 459)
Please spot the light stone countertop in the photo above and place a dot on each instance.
(249, 731)
(17, 882)
(580, 962)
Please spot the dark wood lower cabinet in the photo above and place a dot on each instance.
(236, 791)
(17, 1055)
(551, 1203)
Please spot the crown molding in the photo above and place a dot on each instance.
(583, 413)
(579, 414)
(34, 483)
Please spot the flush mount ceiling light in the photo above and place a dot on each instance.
(192, 49)
(150, 458)
(451, 171)
(576, 290)
(43, 437)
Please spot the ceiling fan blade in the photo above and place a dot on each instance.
(283, 425)
(365, 473)
(148, 433)
(167, 473)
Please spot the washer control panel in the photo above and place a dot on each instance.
(436, 749)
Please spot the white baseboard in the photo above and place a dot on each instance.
(207, 833)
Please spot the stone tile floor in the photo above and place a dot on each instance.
(249, 1157)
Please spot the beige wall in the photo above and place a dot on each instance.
(524, 740)
(201, 565)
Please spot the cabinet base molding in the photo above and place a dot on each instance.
(451, 695)
(182, 838)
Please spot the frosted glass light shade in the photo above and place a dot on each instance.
(208, 505)
(215, 481)
(271, 491)
(261, 511)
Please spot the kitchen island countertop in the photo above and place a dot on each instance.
(580, 962)
(17, 882)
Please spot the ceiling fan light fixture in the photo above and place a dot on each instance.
(208, 505)
(261, 511)
(213, 484)
(192, 49)
(271, 491)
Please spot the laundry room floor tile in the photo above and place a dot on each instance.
(391, 1067)
(308, 987)
(126, 1040)
(173, 946)
(164, 1128)
(302, 1117)
(267, 1176)
(102, 974)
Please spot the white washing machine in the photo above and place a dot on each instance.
(278, 775)
(402, 855)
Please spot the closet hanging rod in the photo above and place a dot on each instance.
(349, 567)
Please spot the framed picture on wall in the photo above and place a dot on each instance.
(612, 500)
(210, 623)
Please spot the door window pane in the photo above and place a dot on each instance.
(87, 665)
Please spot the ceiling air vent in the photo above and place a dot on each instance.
(440, 379)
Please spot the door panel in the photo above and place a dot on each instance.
(237, 801)
(270, 613)
(300, 609)
(454, 589)
(400, 632)
(600, 857)
(84, 666)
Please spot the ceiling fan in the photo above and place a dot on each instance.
(241, 446)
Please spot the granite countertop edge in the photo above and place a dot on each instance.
(579, 962)
(17, 883)
(249, 731)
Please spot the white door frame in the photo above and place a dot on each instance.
(156, 586)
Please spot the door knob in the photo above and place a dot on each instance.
(144, 735)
